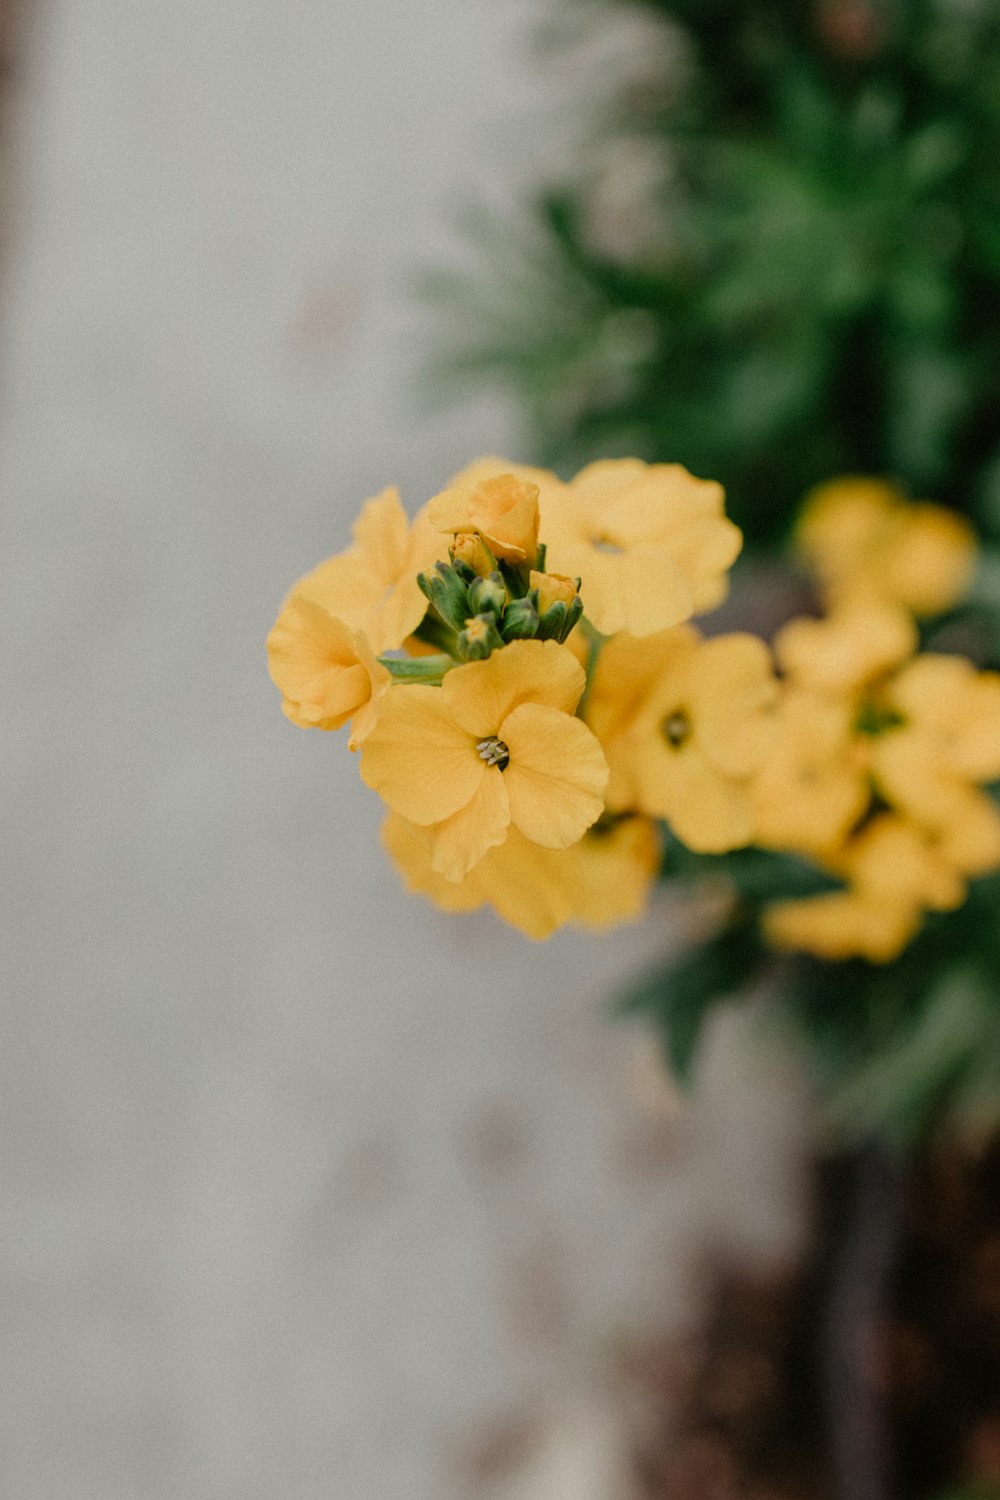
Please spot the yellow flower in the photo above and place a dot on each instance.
(861, 537)
(842, 924)
(892, 859)
(812, 788)
(500, 508)
(858, 642)
(326, 672)
(373, 585)
(602, 880)
(649, 541)
(496, 744)
(685, 724)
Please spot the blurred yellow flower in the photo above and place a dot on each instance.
(496, 744)
(858, 642)
(601, 881)
(861, 537)
(326, 672)
(842, 924)
(372, 586)
(685, 724)
(650, 542)
(501, 508)
(892, 859)
(812, 787)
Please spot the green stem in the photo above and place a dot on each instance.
(429, 669)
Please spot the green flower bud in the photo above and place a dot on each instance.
(559, 619)
(478, 639)
(487, 596)
(447, 592)
(520, 618)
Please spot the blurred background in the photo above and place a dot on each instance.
(308, 1191)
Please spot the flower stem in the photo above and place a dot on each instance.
(428, 669)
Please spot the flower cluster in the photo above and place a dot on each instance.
(531, 700)
(474, 653)
(881, 752)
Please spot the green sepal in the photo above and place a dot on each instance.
(559, 619)
(426, 669)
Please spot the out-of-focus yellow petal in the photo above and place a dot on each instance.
(708, 812)
(556, 775)
(733, 693)
(843, 924)
(628, 670)
(461, 840)
(812, 785)
(854, 645)
(411, 847)
(418, 759)
(894, 860)
(481, 694)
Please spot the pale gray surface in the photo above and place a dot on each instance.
(303, 1182)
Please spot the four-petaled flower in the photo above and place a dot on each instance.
(495, 746)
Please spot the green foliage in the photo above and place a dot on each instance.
(816, 287)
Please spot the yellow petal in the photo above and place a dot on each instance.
(556, 775)
(323, 669)
(418, 759)
(733, 691)
(709, 812)
(411, 847)
(842, 925)
(381, 534)
(481, 694)
(502, 508)
(461, 840)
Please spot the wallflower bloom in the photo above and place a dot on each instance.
(650, 542)
(326, 672)
(373, 585)
(812, 787)
(858, 642)
(862, 538)
(500, 508)
(601, 881)
(496, 744)
(892, 859)
(686, 724)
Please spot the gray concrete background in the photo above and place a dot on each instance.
(303, 1183)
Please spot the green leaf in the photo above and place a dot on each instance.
(678, 996)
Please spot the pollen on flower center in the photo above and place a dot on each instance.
(494, 752)
(676, 728)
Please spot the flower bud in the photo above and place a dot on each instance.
(478, 639)
(520, 619)
(488, 595)
(447, 592)
(470, 549)
(559, 604)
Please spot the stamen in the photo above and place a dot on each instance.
(494, 752)
(676, 728)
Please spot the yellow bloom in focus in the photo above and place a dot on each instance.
(326, 672)
(862, 538)
(650, 542)
(812, 787)
(500, 508)
(842, 924)
(469, 548)
(685, 724)
(495, 745)
(601, 881)
(373, 585)
(858, 642)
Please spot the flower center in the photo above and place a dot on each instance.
(604, 543)
(676, 728)
(494, 752)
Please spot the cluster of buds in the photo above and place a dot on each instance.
(479, 603)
